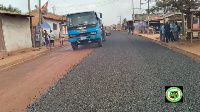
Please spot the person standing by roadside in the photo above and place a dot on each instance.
(43, 38)
(61, 37)
(51, 36)
(46, 38)
(163, 33)
(167, 31)
(171, 32)
(176, 31)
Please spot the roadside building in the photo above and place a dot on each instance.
(14, 31)
(51, 22)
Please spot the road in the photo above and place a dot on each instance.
(129, 73)
(23, 84)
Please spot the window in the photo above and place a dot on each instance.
(54, 26)
(195, 20)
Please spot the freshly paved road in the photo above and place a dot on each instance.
(129, 73)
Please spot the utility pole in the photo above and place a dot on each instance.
(29, 8)
(183, 24)
(148, 17)
(120, 21)
(40, 20)
(54, 9)
(133, 16)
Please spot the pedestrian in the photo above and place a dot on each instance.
(176, 31)
(163, 33)
(46, 38)
(167, 31)
(43, 38)
(51, 36)
(171, 32)
(61, 37)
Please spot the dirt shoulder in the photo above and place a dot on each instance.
(22, 84)
(183, 46)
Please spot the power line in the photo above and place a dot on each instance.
(111, 1)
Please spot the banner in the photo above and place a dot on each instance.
(44, 9)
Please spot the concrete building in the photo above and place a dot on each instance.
(14, 31)
(53, 20)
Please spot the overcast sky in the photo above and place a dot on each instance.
(110, 9)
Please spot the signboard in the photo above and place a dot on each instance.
(156, 17)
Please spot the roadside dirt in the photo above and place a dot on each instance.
(23, 84)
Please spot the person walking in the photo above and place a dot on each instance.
(46, 38)
(51, 36)
(176, 31)
(61, 37)
(167, 31)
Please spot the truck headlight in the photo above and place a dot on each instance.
(93, 33)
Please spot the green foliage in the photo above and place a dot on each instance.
(10, 8)
(169, 5)
(123, 22)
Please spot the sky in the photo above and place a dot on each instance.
(110, 9)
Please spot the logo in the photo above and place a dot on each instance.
(81, 28)
(174, 94)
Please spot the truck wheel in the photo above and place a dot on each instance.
(100, 43)
(74, 45)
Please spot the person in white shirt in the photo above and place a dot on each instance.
(51, 37)
(61, 37)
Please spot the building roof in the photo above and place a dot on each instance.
(14, 13)
(195, 12)
(49, 15)
(145, 16)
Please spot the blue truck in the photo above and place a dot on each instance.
(85, 27)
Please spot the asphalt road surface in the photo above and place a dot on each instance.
(129, 73)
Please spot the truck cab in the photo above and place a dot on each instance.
(84, 27)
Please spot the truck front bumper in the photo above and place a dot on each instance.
(91, 37)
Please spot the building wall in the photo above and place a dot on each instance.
(51, 22)
(16, 31)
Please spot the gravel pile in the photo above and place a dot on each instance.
(129, 73)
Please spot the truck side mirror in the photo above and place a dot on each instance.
(67, 21)
(100, 15)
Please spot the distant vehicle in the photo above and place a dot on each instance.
(118, 27)
(84, 27)
(107, 30)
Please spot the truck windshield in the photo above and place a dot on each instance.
(82, 19)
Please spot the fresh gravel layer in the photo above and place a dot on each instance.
(129, 73)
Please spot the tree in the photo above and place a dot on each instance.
(11, 9)
(124, 22)
(183, 6)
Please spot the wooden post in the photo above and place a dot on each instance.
(183, 24)
(191, 27)
(199, 28)
(40, 16)
(148, 18)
